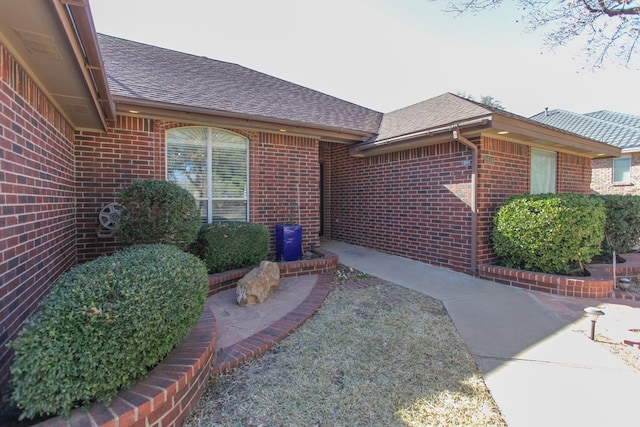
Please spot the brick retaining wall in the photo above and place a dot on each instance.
(581, 287)
(327, 263)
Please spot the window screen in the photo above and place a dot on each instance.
(212, 164)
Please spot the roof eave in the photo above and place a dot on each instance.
(169, 111)
(54, 42)
(430, 136)
(498, 126)
(544, 136)
(77, 23)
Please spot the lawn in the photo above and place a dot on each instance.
(382, 355)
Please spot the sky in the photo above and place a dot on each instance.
(381, 54)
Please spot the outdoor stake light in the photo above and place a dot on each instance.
(594, 313)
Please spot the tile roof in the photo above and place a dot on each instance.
(150, 73)
(615, 117)
(439, 111)
(617, 129)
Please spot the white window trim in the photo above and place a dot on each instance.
(613, 170)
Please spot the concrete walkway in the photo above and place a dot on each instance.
(540, 366)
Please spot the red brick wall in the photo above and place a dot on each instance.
(415, 203)
(37, 200)
(412, 203)
(279, 166)
(503, 171)
(283, 168)
(107, 163)
(602, 179)
(574, 174)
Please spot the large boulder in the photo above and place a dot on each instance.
(258, 285)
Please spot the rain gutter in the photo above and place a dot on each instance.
(360, 148)
(75, 16)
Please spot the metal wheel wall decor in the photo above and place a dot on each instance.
(109, 219)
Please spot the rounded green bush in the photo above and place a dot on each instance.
(157, 211)
(104, 325)
(551, 233)
(229, 245)
(622, 229)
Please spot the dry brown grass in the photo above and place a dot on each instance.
(379, 356)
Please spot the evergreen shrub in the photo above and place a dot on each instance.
(104, 325)
(157, 211)
(622, 229)
(550, 233)
(230, 245)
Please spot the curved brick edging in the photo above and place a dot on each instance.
(582, 287)
(327, 263)
(232, 356)
(625, 296)
(167, 395)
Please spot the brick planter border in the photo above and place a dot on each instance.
(598, 285)
(327, 263)
(581, 287)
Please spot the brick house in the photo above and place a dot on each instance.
(83, 115)
(619, 175)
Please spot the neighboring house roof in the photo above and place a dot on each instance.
(617, 129)
(144, 72)
(615, 117)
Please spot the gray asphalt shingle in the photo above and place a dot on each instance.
(434, 112)
(151, 73)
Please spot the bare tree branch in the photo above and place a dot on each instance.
(608, 29)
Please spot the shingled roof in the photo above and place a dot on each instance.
(617, 129)
(439, 111)
(143, 72)
(158, 78)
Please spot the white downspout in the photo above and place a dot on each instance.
(457, 136)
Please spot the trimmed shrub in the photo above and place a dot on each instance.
(622, 229)
(551, 233)
(230, 245)
(104, 324)
(157, 211)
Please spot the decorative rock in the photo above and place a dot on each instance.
(258, 284)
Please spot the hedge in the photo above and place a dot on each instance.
(622, 230)
(550, 233)
(104, 324)
(230, 245)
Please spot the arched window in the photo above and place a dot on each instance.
(212, 164)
